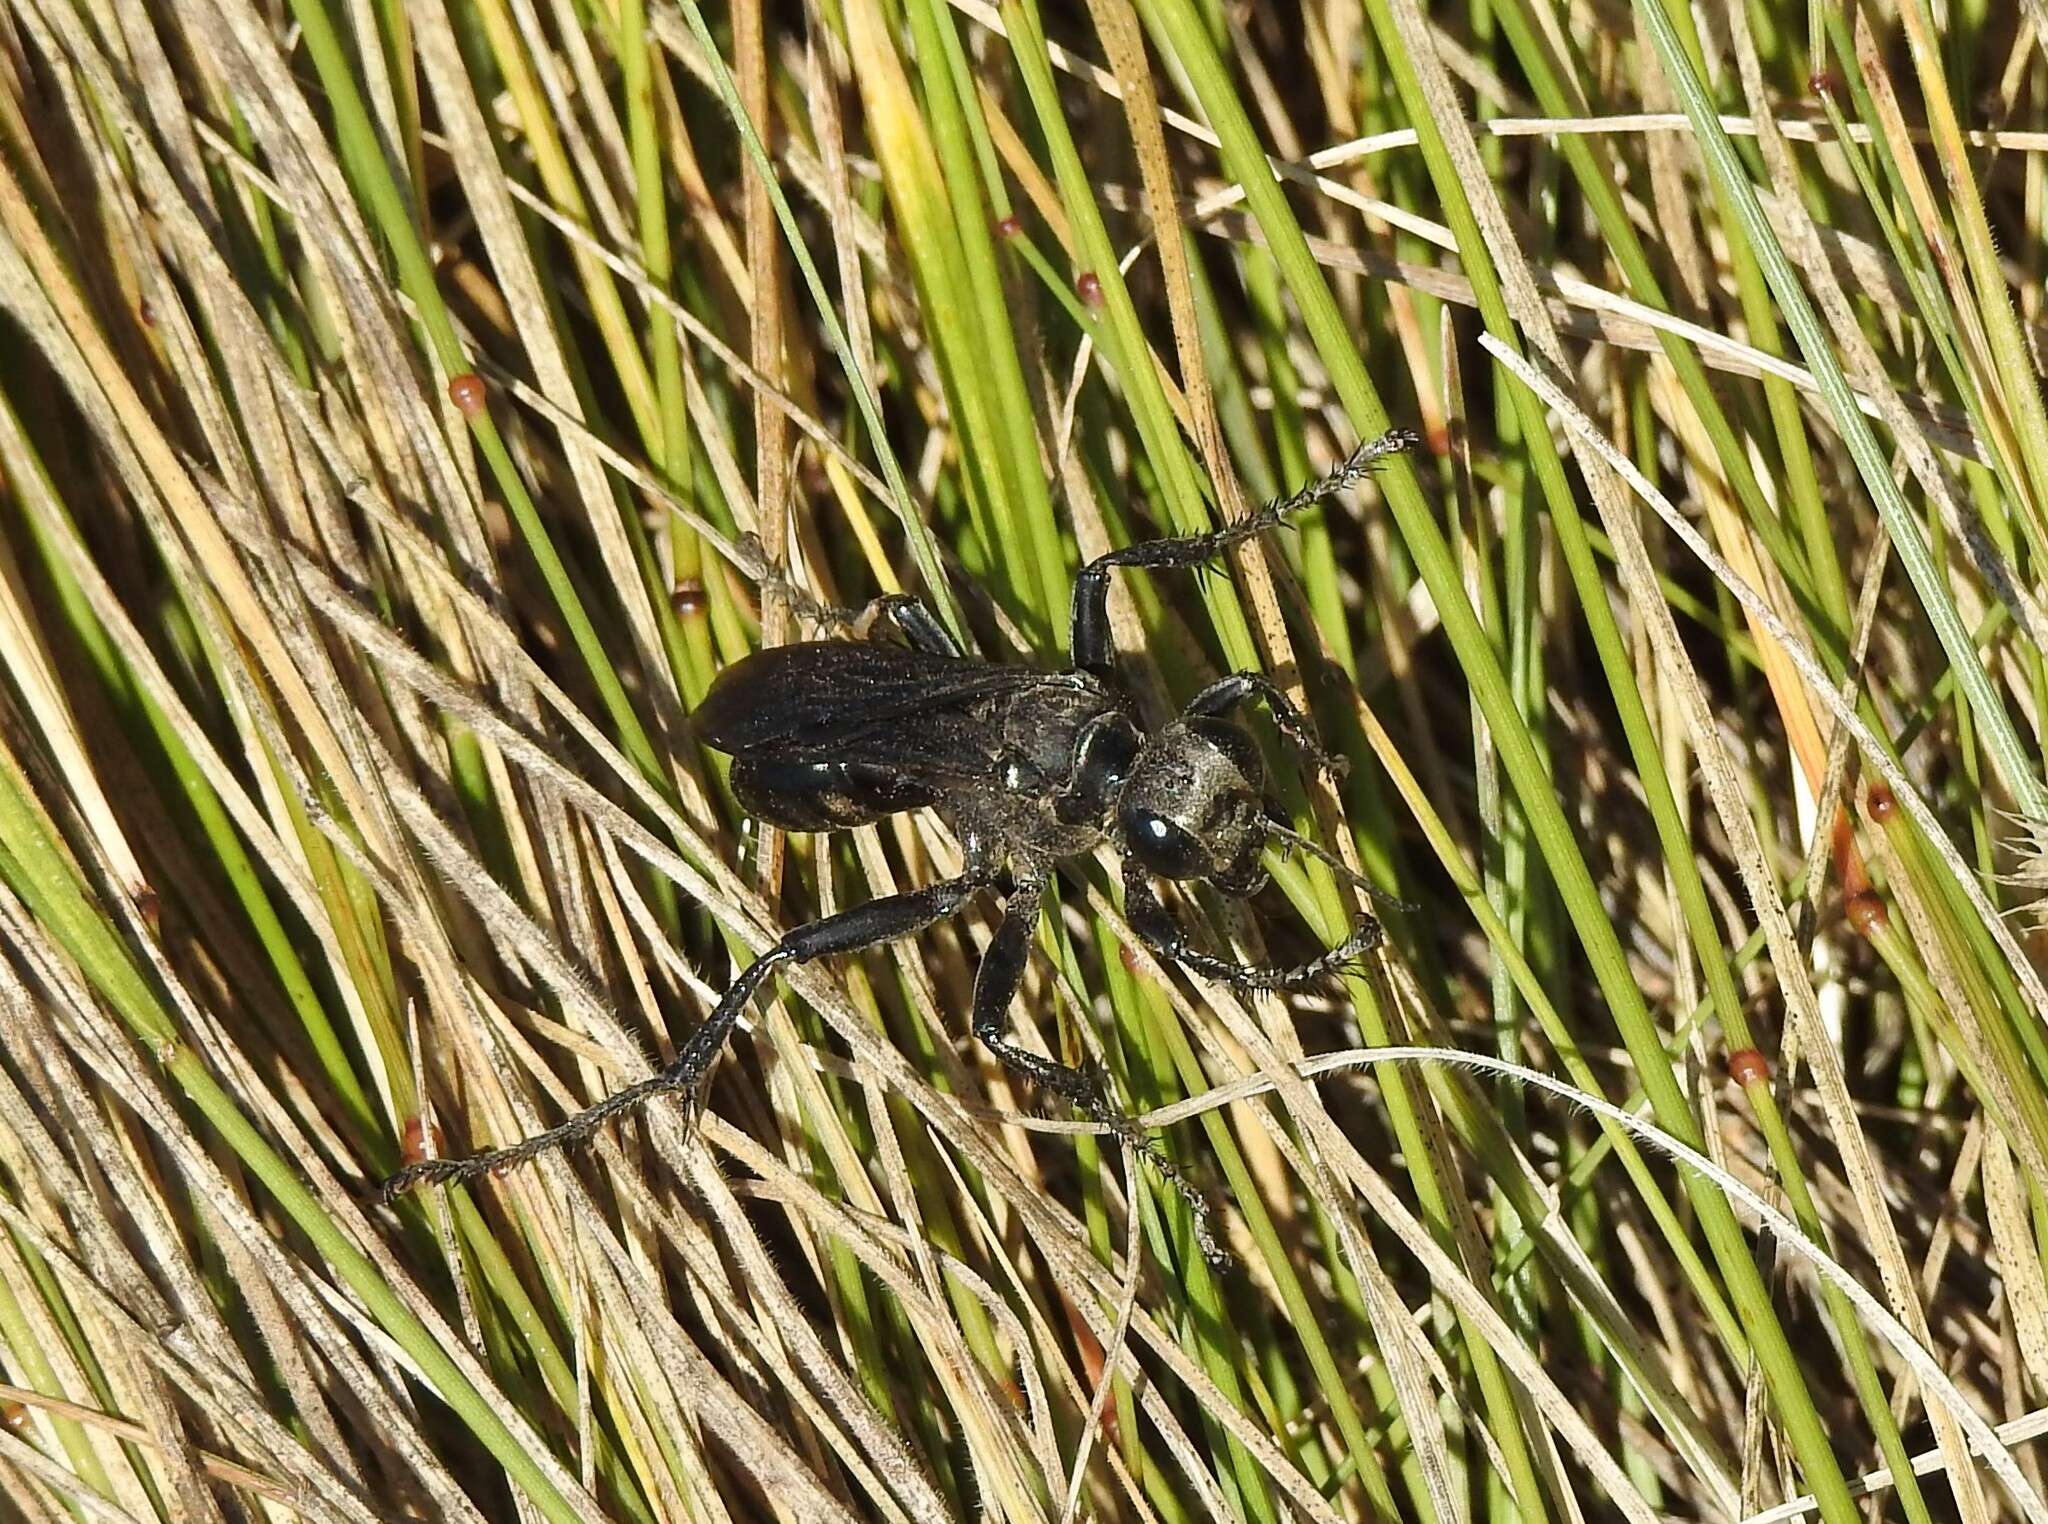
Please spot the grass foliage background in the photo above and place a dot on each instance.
(408, 406)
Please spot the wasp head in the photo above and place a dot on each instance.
(1190, 806)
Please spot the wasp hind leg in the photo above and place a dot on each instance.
(867, 925)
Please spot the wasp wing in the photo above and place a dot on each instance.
(860, 702)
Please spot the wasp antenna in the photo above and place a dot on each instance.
(1275, 831)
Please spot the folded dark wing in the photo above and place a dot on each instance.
(858, 701)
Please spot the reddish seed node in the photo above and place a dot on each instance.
(1825, 82)
(1009, 227)
(1748, 1066)
(1089, 285)
(412, 1145)
(467, 392)
(150, 908)
(14, 1415)
(1883, 805)
(146, 312)
(1130, 956)
(689, 599)
(1867, 912)
(1112, 1426)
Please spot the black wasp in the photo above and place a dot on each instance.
(1027, 766)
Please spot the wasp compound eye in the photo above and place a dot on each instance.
(1164, 847)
